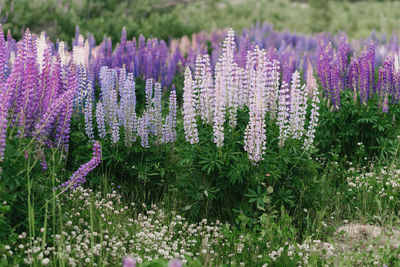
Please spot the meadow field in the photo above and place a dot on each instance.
(199, 133)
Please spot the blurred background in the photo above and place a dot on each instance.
(175, 18)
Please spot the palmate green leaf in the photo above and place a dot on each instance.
(251, 193)
(372, 119)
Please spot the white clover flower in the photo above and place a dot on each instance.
(45, 261)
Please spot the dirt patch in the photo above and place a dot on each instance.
(356, 236)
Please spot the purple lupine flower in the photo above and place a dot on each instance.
(44, 125)
(189, 111)
(129, 261)
(64, 119)
(342, 54)
(3, 55)
(78, 177)
(29, 98)
(5, 103)
(122, 55)
(45, 80)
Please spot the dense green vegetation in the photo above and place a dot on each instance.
(153, 17)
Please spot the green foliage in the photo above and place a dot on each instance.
(358, 130)
(222, 182)
(153, 17)
(321, 13)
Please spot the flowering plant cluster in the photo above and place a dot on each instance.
(149, 58)
(216, 100)
(37, 89)
(116, 109)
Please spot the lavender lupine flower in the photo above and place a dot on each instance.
(83, 90)
(255, 138)
(156, 123)
(220, 106)
(110, 101)
(283, 113)
(189, 111)
(313, 121)
(387, 83)
(129, 261)
(169, 129)
(149, 93)
(113, 113)
(143, 129)
(78, 177)
(100, 120)
(88, 118)
(127, 109)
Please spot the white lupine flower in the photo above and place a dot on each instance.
(298, 106)
(273, 88)
(189, 112)
(41, 46)
(283, 114)
(220, 106)
(204, 88)
(313, 121)
(255, 139)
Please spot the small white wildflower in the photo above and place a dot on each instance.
(45, 261)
